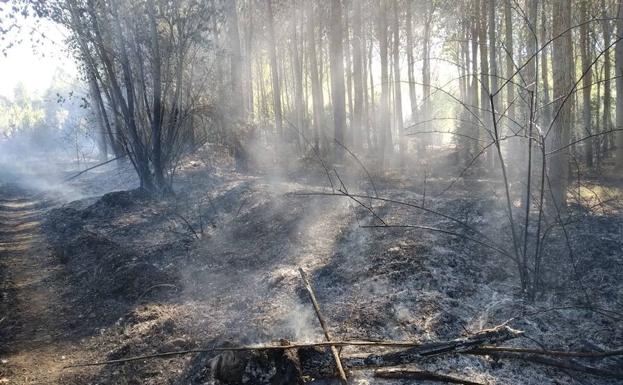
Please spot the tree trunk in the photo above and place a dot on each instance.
(235, 58)
(357, 44)
(619, 87)
(410, 62)
(398, 84)
(317, 97)
(385, 133)
(587, 81)
(274, 69)
(547, 115)
(607, 116)
(510, 68)
(351, 134)
(563, 82)
(426, 79)
(297, 64)
(336, 59)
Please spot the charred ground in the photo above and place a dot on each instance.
(125, 274)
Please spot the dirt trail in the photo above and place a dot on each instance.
(31, 327)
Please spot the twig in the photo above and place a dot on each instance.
(188, 225)
(323, 324)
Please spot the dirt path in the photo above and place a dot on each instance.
(31, 320)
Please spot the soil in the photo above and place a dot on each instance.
(122, 274)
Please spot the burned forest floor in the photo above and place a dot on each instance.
(98, 271)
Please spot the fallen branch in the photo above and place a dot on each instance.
(485, 337)
(93, 167)
(554, 353)
(323, 324)
(568, 365)
(413, 374)
(387, 344)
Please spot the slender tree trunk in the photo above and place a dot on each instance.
(398, 84)
(372, 104)
(385, 133)
(411, 62)
(274, 70)
(587, 81)
(297, 64)
(619, 87)
(317, 97)
(607, 115)
(248, 63)
(235, 57)
(475, 16)
(350, 135)
(358, 79)
(563, 83)
(510, 68)
(336, 59)
(426, 79)
(547, 115)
